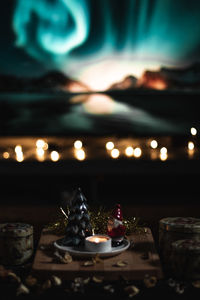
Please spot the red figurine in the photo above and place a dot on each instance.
(115, 228)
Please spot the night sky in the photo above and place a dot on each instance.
(98, 42)
(82, 37)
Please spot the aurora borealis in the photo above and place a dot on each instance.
(98, 42)
(82, 38)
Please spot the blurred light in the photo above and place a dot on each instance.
(41, 144)
(153, 155)
(129, 151)
(163, 150)
(18, 149)
(115, 153)
(46, 146)
(154, 144)
(99, 104)
(19, 153)
(78, 144)
(110, 145)
(163, 156)
(137, 152)
(55, 156)
(80, 154)
(6, 155)
(19, 156)
(190, 145)
(40, 154)
(193, 131)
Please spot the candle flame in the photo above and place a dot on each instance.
(98, 239)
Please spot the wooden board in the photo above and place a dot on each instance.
(137, 264)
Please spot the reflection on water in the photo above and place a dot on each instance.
(92, 114)
(121, 115)
(96, 103)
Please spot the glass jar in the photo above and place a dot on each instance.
(16, 243)
(172, 229)
(185, 258)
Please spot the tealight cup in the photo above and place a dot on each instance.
(98, 243)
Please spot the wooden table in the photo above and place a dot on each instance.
(141, 259)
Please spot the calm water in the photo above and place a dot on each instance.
(97, 114)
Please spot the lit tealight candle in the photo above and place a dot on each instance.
(98, 239)
(98, 243)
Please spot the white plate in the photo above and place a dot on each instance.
(83, 253)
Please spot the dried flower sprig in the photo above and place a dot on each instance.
(99, 218)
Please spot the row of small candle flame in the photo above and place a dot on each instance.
(79, 152)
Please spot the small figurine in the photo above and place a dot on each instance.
(115, 228)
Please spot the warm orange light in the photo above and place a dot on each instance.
(19, 153)
(157, 84)
(110, 145)
(154, 144)
(100, 75)
(76, 87)
(55, 156)
(163, 150)
(153, 80)
(190, 145)
(78, 144)
(137, 152)
(193, 131)
(41, 144)
(18, 149)
(99, 104)
(80, 154)
(191, 149)
(6, 155)
(163, 156)
(40, 154)
(19, 156)
(98, 239)
(115, 153)
(153, 154)
(129, 151)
